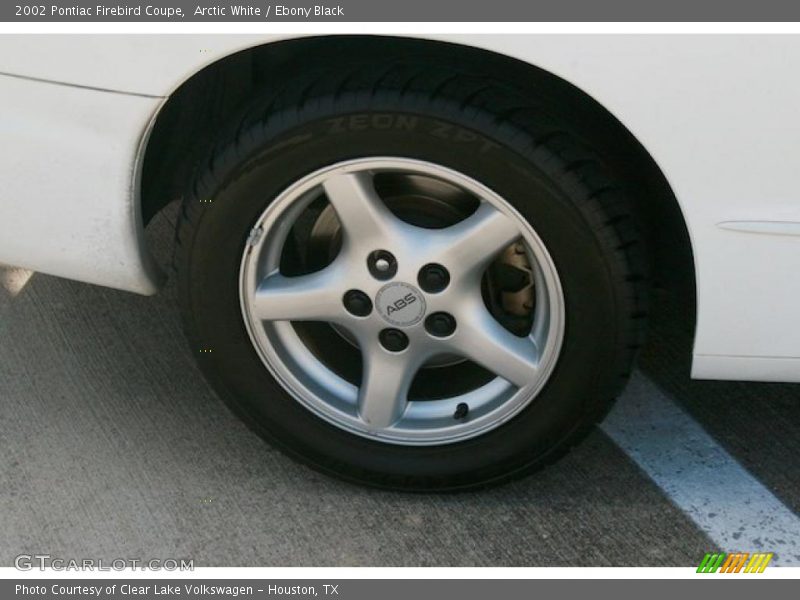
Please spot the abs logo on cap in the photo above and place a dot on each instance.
(400, 304)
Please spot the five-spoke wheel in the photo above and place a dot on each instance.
(411, 277)
(407, 296)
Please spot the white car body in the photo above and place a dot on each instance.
(718, 114)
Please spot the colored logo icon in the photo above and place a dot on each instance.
(735, 562)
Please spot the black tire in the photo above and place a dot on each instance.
(472, 124)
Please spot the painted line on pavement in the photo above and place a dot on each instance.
(722, 498)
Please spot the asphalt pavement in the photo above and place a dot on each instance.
(113, 446)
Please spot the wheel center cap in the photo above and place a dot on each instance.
(400, 304)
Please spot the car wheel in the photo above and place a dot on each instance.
(412, 279)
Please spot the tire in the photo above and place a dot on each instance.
(479, 130)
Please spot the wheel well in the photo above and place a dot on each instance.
(186, 125)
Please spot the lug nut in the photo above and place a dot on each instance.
(433, 278)
(440, 324)
(382, 264)
(393, 340)
(357, 303)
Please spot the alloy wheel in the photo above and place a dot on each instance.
(405, 294)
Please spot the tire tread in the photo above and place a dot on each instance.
(524, 123)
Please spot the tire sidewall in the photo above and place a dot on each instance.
(268, 159)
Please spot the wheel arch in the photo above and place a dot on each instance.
(185, 127)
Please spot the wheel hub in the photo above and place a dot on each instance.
(400, 304)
